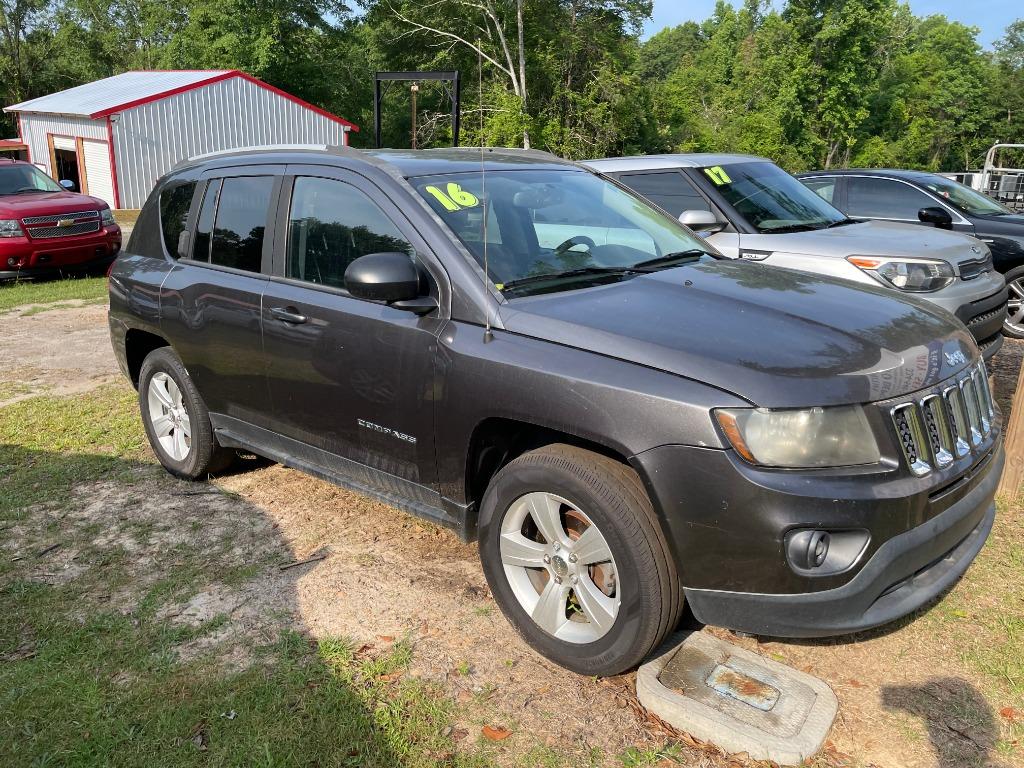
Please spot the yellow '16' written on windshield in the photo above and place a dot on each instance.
(453, 198)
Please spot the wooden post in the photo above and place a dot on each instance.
(1013, 474)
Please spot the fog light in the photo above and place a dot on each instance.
(822, 553)
(13, 261)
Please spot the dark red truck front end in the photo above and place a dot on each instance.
(46, 229)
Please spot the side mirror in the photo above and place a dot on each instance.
(936, 215)
(68, 184)
(391, 277)
(701, 221)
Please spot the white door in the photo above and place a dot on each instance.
(98, 173)
(64, 142)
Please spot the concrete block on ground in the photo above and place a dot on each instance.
(737, 700)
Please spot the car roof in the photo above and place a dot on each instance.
(405, 162)
(885, 173)
(658, 162)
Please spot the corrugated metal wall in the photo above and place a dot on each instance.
(35, 127)
(151, 139)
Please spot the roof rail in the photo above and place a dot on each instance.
(334, 148)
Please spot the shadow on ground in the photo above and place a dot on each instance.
(145, 620)
(964, 734)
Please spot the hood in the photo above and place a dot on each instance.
(873, 238)
(44, 203)
(1010, 224)
(776, 337)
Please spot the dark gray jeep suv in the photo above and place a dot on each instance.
(516, 348)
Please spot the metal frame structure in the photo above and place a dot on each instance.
(455, 92)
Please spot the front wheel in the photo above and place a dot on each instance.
(1013, 325)
(576, 560)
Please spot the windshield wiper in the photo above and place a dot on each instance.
(669, 260)
(580, 272)
(841, 223)
(792, 228)
(23, 190)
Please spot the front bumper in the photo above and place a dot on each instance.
(984, 319)
(727, 523)
(25, 257)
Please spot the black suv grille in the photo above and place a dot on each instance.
(943, 426)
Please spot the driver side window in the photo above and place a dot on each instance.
(330, 225)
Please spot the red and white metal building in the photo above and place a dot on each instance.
(115, 137)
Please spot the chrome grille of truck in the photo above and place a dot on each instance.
(38, 233)
(62, 224)
(53, 217)
(940, 427)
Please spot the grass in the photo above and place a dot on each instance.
(86, 684)
(89, 289)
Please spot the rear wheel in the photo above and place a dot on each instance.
(576, 560)
(1013, 325)
(176, 420)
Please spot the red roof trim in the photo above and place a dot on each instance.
(12, 144)
(216, 79)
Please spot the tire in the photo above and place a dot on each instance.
(528, 573)
(176, 420)
(1014, 327)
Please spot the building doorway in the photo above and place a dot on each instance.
(65, 160)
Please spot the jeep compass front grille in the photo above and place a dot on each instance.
(940, 427)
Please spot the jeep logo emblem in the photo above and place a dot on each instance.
(955, 358)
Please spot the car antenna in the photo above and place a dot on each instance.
(488, 336)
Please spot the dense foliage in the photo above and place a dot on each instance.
(817, 83)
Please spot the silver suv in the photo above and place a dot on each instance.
(750, 208)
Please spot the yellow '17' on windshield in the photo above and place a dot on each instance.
(718, 175)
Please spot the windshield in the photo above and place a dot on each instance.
(557, 229)
(963, 197)
(15, 179)
(770, 200)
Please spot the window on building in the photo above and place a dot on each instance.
(330, 225)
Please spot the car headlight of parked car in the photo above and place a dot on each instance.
(913, 275)
(811, 437)
(107, 216)
(10, 228)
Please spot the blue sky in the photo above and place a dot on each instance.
(991, 16)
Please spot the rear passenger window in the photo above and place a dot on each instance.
(331, 224)
(884, 199)
(241, 222)
(204, 225)
(174, 205)
(669, 190)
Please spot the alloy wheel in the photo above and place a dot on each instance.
(1015, 306)
(169, 417)
(560, 567)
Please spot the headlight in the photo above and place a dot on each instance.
(107, 216)
(811, 437)
(913, 275)
(10, 228)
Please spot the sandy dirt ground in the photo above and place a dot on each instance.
(386, 575)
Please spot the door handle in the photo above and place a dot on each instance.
(288, 315)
